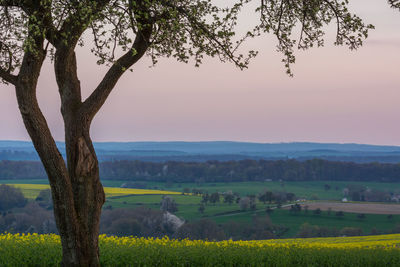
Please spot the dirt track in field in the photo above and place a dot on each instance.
(372, 208)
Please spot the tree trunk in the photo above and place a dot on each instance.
(88, 196)
(82, 164)
(78, 195)
(76, 189)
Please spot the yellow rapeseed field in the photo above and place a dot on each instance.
(32, 190)
(115, 191)
(368, 242)
(45, 250)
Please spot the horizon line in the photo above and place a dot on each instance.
(219, 141)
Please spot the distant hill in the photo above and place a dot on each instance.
(217, 150)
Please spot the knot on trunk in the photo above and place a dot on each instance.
(86, 162)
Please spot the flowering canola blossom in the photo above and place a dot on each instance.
(45, 250)
(32, 190)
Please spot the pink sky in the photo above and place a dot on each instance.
(335, 96)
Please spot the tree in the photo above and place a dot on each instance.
(339, 213)
(268, 210)
(327, 187)
(269, 196)
(317, 211)
(32, 30)
(290, 196)
(252, 203)
(201, 208)
(296, 208)
(168, 204)
(329, 211)
(262, 197)
(214, 197)
(228, 197)
(306, 208)
(11, 197)
(186, 190)
(361, 216)
(205, 198)
(44, 199)
(244, 203)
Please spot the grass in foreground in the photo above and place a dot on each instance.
(44, 250)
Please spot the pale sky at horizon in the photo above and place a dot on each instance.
(336, 95)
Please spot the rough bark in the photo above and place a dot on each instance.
(82, 162)
(88, 198)
(77, 193)
(76, 189)
(45, 145)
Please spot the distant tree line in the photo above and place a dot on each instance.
(227, 171)
(249, 170)
(21, 170)
(384, 157)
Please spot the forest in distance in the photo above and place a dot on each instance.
(223, 171)
(218, 150)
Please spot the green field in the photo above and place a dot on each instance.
(301, 189)
(294, 221)
(222, 212)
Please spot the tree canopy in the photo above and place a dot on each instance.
(183, 29)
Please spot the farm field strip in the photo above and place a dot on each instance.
(32, 190)
(149, 199)
(303, 189)
(372, 241)
(115, 191)
(369, 207)
(45, 250)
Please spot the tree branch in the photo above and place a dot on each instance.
(6, 74)
(12, 3)
(8, 77)
(395, 4)
(65, 65)
(96, 100)
(76, 23)
(211, 36)
(52, 34)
